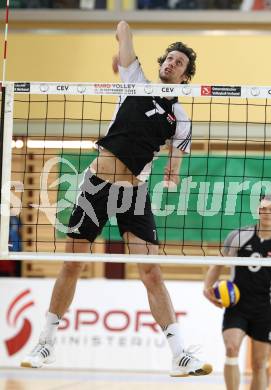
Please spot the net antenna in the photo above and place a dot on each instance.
(58, 124)
(6, 124)
(5, 43)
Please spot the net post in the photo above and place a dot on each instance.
(5, 163)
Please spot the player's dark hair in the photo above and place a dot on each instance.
(181, 47)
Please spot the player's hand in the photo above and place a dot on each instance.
(208, 292)
(170, 178)
(115, 62)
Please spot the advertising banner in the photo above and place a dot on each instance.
(109, 325)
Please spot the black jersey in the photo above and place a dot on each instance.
(143, 124)
(254, 282)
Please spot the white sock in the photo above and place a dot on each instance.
(50, 328)
(174, 338)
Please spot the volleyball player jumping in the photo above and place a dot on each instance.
(115, 185)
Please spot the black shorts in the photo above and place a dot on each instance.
(258, 328)
(99, 200)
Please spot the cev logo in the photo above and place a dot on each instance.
(14, 312)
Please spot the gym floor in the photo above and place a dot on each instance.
(45, 379)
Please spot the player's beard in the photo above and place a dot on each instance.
(163, 77)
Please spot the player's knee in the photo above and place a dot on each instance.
(232, 349)
(72, 268)
(258, 364)
(151, 276)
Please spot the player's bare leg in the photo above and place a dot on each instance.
(268, 371)
(62, 296)
(150, 274)
(184, 362)
(65, 284)
(232, 340)
(260, 356)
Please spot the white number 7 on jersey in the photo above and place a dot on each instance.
(157, 110)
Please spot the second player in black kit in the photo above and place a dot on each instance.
(253, 312)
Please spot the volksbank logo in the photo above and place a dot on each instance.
(220, 90)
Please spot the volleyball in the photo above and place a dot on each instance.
(227, 292)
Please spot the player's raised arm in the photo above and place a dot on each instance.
(126, 53)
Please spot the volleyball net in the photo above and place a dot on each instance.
(49, 134)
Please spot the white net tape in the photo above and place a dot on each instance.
(112, 89)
